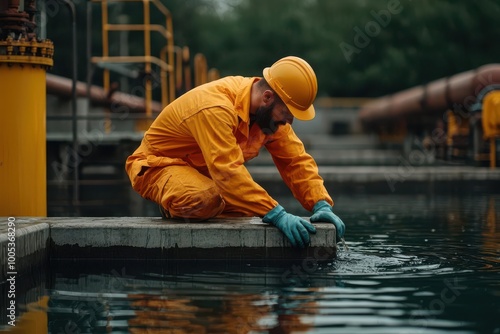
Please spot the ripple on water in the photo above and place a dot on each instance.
(430, 266)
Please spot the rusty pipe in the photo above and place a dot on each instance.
(98, 96)
(459, 91)
(12, 20)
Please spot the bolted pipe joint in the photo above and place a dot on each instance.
(14, 22)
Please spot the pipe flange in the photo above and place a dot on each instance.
(29, 52)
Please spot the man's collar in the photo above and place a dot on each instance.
(242, 102)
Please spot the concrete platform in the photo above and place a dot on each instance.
(30, 246)
(151, 238)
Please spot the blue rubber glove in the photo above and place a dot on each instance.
(323, 212)
(294, 228)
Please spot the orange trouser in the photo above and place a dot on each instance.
(186, 193)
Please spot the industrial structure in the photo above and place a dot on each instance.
(457, 117)
(86, 127)
(24, 59)
(64, 141)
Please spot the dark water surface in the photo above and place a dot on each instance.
(416, 264)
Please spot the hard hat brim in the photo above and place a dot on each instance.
(302, 115)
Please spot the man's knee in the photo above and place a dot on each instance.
(203, 204)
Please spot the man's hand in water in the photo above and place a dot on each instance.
(322, 212)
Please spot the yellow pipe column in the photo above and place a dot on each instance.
(23, 182)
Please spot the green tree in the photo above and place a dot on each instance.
(355, 47)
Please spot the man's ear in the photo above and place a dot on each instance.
(268, 97)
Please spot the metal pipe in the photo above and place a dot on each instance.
(23, 65)
(105, 53)
(187, 68)
(98, 96)
(14, 20)
(89, 49)
(493, 153)
(147, 52)
(133, 59)
(168, 88)
(163, 77)
(74, 123)
(96, 117)
(459, 91)
(171, 60)
(200, 69)
(213, 74)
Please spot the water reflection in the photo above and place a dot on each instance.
(190, 312)
(415, 265)
(151, 311)
(33, 321)
(491, 236)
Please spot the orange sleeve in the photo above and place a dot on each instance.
(297, 168)
(213, 130)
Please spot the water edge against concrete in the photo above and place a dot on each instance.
(40, 239)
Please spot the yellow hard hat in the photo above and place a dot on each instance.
(294, 80)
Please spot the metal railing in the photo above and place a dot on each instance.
(164, 63)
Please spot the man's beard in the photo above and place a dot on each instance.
(264, 119)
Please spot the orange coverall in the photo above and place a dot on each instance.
(191, 159)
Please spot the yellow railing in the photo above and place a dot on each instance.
(173, 62)
(165, 62)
